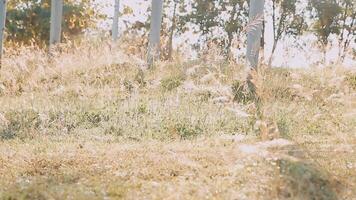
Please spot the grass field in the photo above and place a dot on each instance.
(90, 122)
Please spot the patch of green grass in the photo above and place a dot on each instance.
(182, 130)
(351, 80)
(171, 83)
(284, 126)
(282, 93)
(19, 124)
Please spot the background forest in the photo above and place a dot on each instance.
(329, 25)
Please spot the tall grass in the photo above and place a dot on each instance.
(100, 93)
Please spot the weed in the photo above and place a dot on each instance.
(284, 126)
(241, 93)
(142, 108)
(128, 85)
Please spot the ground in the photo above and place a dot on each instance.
(91, 122)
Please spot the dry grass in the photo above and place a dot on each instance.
(90, 122)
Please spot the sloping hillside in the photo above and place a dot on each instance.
(90, 122)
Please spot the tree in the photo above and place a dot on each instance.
(2, 25)
(287, 22)
(204, 15)
(172, 12)
(171, 16)
(56, 21)
(325, 14)
(254, 32)
(236, 21)
(227, 17)
(28, 21)
(115, 26)
(154, 38)
(171, 32)
(346, 21)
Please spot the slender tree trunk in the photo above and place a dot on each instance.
(2, 25)
(272, 53)
(229, 45)
(230, 34)
(263, 41)
(56, 21)
(324, 54)
(277, 33)
(254, 32)
(341, 38)
(348, 38)
(115, 25)
(171, 34)
(154, 39)
(274, 26)
(274, 18)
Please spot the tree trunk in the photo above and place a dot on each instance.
(154, 39)
(341, 38)
(254, 32)
(274, 18)
(324, 55)
(230, 33)
(229, 45)
(115, 25)
(56, 21)
(277, 33)
(272, 53)
(171, 34)
(263, 42)
(2, 25)
(348, 39)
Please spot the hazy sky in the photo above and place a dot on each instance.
(285, 55)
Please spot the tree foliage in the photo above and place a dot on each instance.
(287, 20)
(28, 21)
(325, 13)
(225, 17)
(333, 17)
(346, 22)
